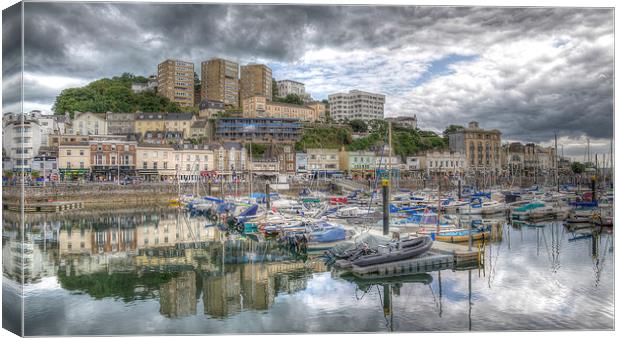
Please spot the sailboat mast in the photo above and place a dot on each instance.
(390, 145)
(555, 159)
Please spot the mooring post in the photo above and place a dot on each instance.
(459, 188)
(385, 184)
(268, 195)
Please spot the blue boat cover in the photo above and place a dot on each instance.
(251, 211)
(329, 235)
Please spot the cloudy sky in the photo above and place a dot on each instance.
(528, 72)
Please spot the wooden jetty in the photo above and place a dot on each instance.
(43, 206)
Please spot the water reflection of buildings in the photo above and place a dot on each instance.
(254, 286)
(177, 298)
(168, 256)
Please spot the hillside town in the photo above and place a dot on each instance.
(236, 112)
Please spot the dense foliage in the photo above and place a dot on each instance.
(405, 141)
(319, 136)
(290, 98)
(117, 285)
(578, 167)
(113, 95)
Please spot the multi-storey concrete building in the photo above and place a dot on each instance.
(120, 123)
(21, 141)
(356, 104)
(175, 80)
(88, 123)
(220, 81)
(286, 87)
(481, 148)
(255, 80)
(260, 106)
(258, 130)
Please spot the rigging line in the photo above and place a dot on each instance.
(546, 247)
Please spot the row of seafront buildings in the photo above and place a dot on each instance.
(154, 146)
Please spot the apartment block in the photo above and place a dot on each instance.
(260, 106)
(286, 87)
(175, 80)
(356, 104)
(258, 130)
(255, 80)
(220, 81)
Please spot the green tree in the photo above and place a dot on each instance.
(578, 167)
(358, 126)
(197, 84)
(258, 150)
(274, 89)
(113, 95)
(291, 99)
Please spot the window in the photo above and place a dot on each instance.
(165, 165)
(68, 152)
(154, 165)
(144, 165)
(81, 165)
(188, 167)
(69, 165)
(81, 152)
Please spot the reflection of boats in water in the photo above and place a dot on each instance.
(463, 235)
(366, 282)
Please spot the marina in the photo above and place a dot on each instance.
(212, 263)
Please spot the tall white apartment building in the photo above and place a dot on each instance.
(21, 140)
(356, 105)
(286, 87)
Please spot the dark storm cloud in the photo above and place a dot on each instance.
(11, 54)
(85, 41)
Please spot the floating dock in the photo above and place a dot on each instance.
(441, 256)
(44, 206)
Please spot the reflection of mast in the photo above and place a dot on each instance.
(469, 272)
(387, 306)
(439, 278)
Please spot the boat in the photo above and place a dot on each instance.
(462, 235)
(352, 212)
(396, 251)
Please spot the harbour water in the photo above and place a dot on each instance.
(155, 271)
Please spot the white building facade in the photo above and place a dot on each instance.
(21, 140)
(356, 104)
(89, 124)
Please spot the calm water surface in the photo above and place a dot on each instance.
(137, 273)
